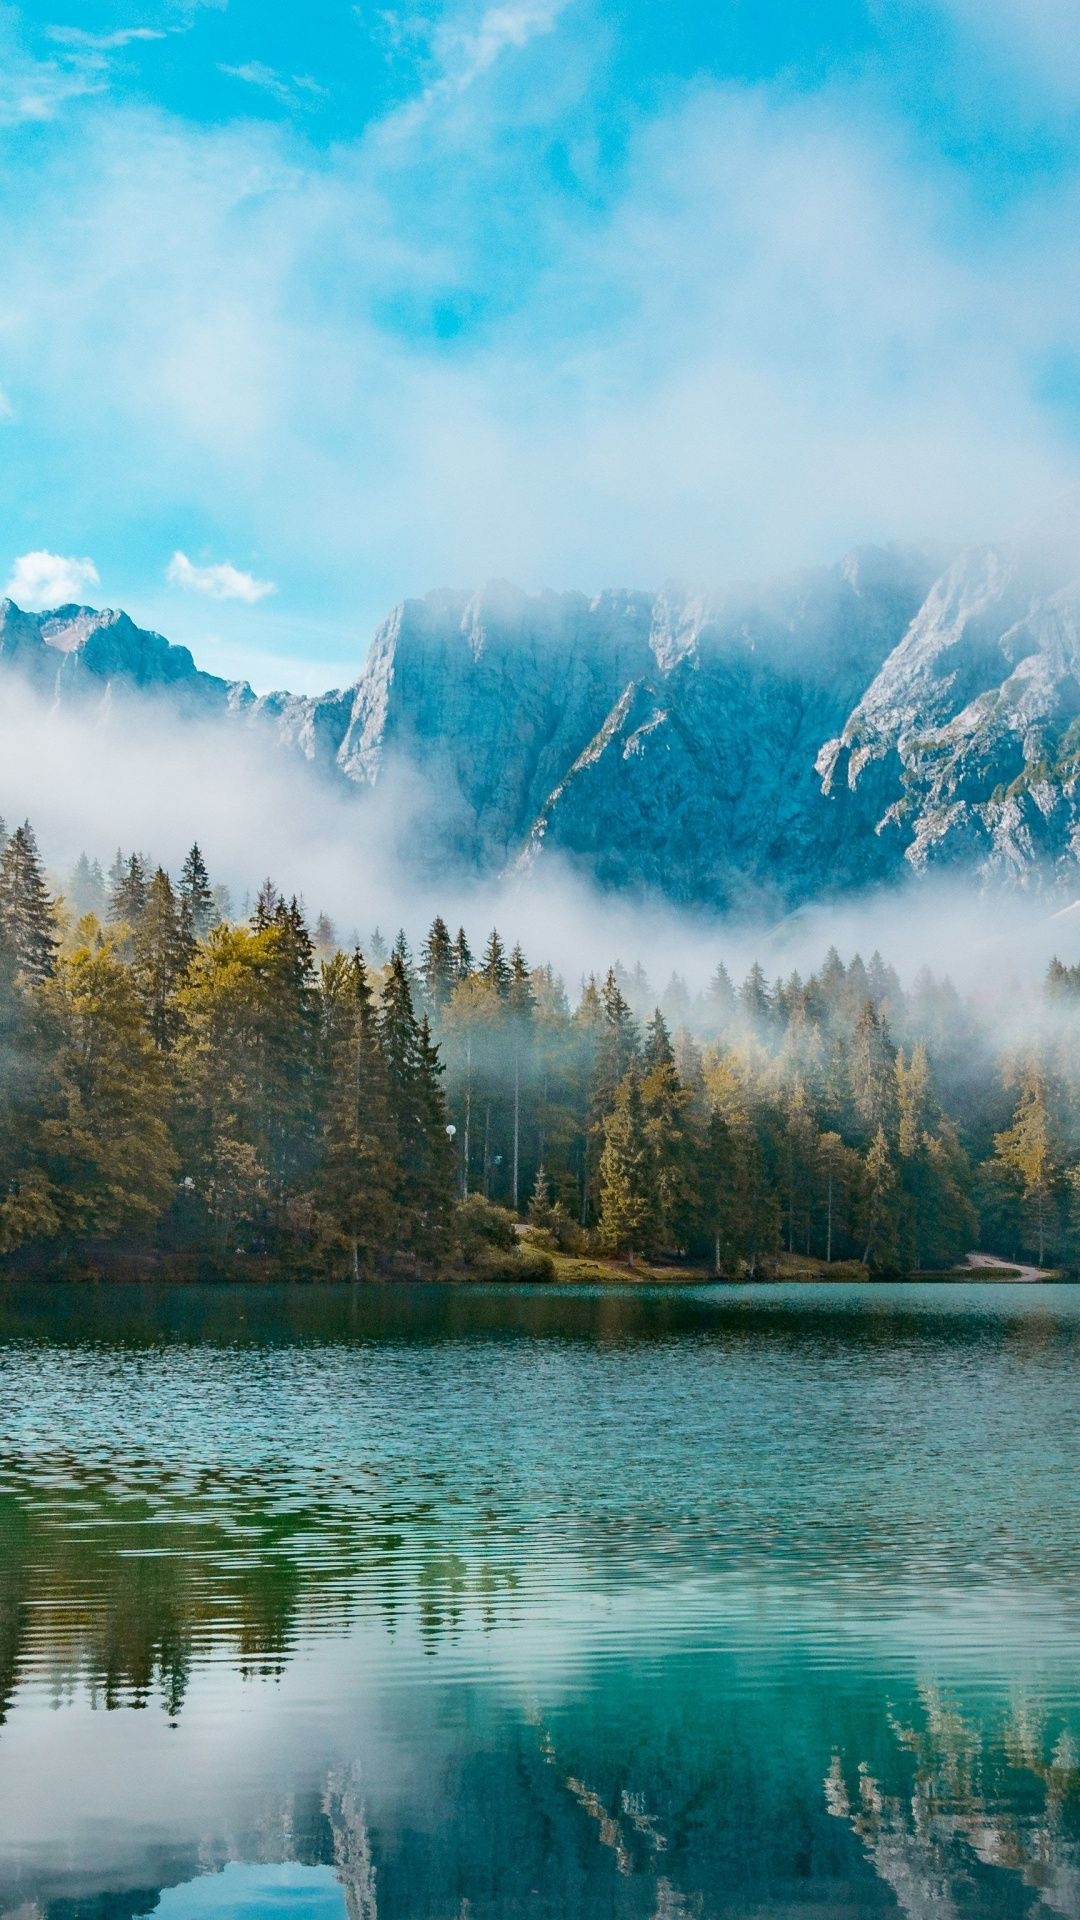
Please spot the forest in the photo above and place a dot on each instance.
(200, 1093)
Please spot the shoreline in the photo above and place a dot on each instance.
(571, 1272)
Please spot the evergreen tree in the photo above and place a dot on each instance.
(86, 888)
(872, 1070)
(495, 968)
(665, 1103)
(839, 1190)
(355, 1215)
(628, 1200)
(722, 1224)
(424, 1183)
(438, 967)
(800, 1164)
(720, 1001)
(519, 1014)
(400, 952)
(881, 1211)
(27, 928)
(105, 1141)
(540, 1198)
(161, 950)
(267, 904)
(657, 1050)
(1029, 1152)
(197, 903)
(754, 997)
(127, 889)
(615, 1047)
(247, 1055)
(463, 960)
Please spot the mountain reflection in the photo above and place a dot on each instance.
(964, 1808)
(551, 1605)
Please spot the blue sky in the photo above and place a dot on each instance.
(308, 308)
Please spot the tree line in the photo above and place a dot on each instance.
(212, 1089)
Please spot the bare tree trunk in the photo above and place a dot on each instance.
(828, 1221)
(517, 1130)
(468, 1120)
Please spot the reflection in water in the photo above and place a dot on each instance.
(959, 1810)
(470, 1604)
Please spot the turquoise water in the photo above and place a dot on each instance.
(437, 1602)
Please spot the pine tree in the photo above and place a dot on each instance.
(127, 889)
(108, 1156)
(881, 1213)
(27, 927)
(424, 1183)
(614, 1048)
(839, 1189)
(247, 1066)
(86, 888)
(520, 1010)
(717, 1176)
(438, 968)
(665, 1103)
(400, 951)
(377, 950)
(540, 1198)
(197, 904)
(628, 1200)
(754, 997)
(872, 1070)
(161, 950)
(800, 1163)
(267, 902)
(463, 960)
(720, 1000)
(1029, 1151)
(355, 1183)
(495, 968)
(657, 1050)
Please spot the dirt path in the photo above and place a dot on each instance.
(984, 1263)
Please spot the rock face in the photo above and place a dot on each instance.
(965, 748)
(75, 652)
(758, 748)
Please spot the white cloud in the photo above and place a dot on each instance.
(1034, 39)
(463, 54)
(501, 29)
(43, 579)
(220, 582)
(782, 333)
(84, 42)
(298, 90)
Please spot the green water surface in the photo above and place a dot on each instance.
(414, 1602)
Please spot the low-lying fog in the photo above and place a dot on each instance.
(93, 779)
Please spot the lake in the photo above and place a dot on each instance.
(409, 1602)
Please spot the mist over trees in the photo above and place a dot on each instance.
(201, 1091)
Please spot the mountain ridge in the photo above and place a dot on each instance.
(831, 730)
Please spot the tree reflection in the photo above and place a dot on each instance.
(124, 1593)
(963, 1812)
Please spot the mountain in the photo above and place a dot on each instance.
(760, 747)
(76, 652)
(965, 747)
